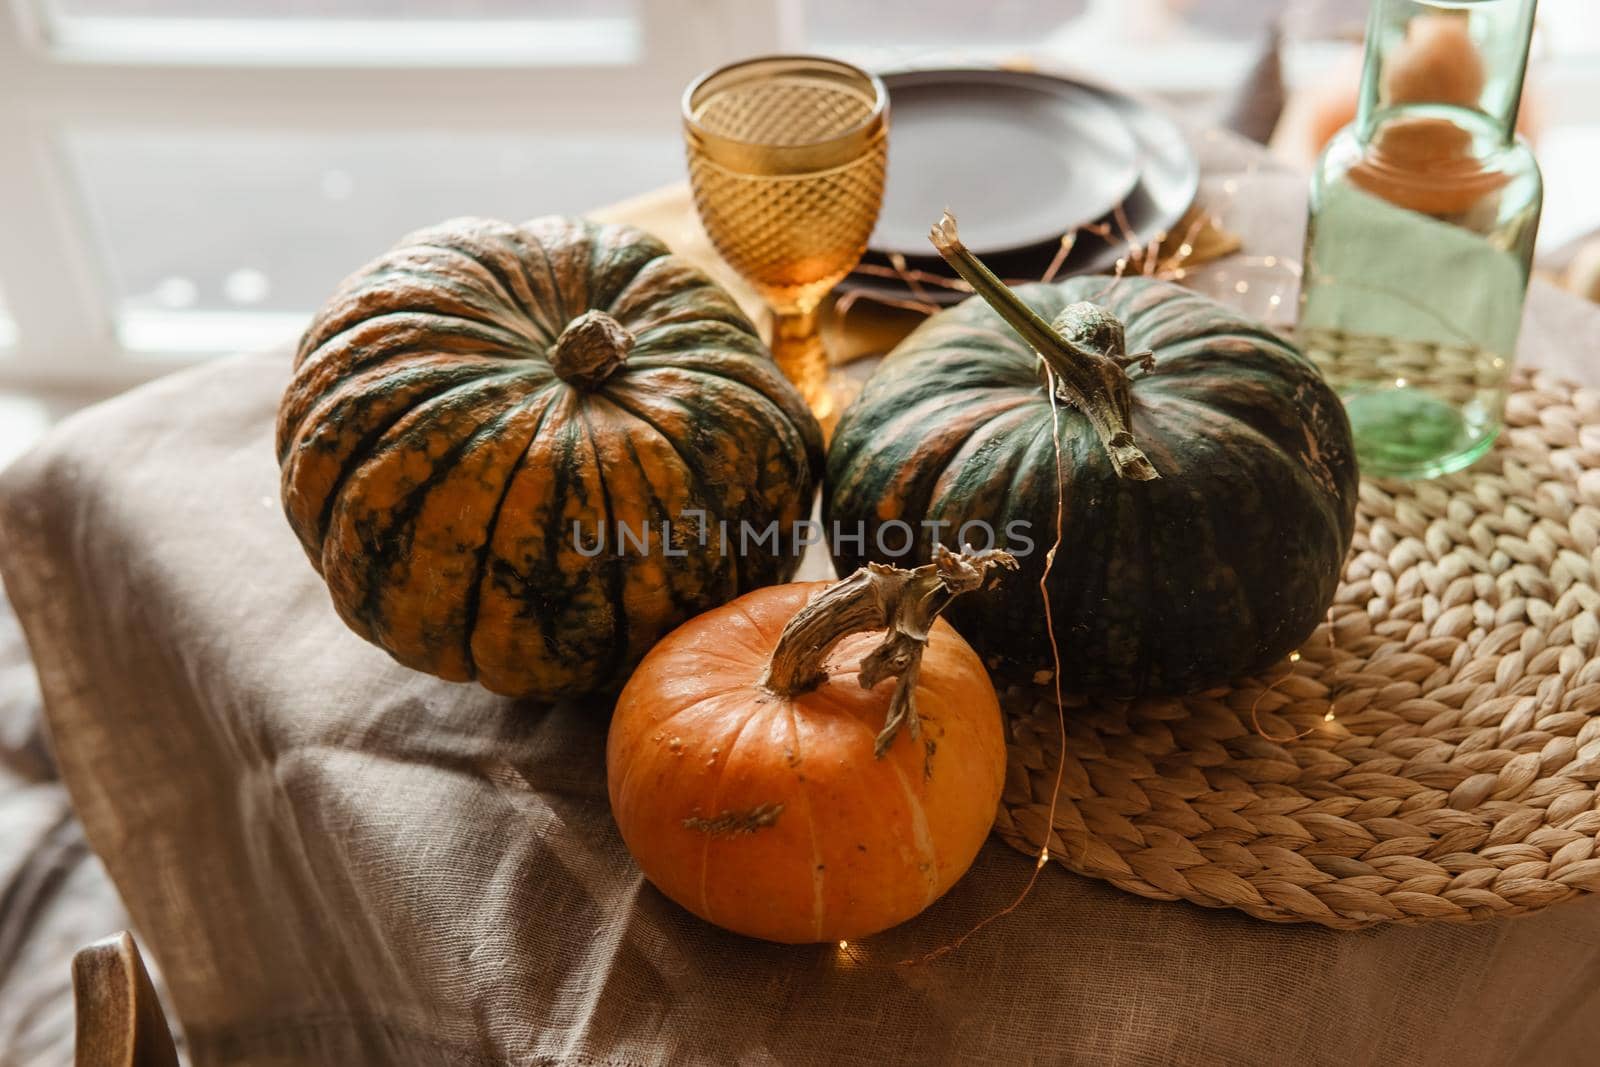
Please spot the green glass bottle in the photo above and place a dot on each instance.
(1420, 239)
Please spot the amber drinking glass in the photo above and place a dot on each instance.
(787, 157)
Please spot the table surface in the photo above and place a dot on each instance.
(336, 860)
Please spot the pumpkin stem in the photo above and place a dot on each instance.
(591, 347)
(1084, 349)
(902, 603)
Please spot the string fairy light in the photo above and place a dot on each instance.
(1255, 708)
(1055, 676)
(1143, 258)
(1328, 716)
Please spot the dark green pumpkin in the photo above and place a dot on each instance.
(470, 411)
(1220, 566)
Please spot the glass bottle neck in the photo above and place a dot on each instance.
(1462, 56)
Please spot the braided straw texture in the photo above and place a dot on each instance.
(1456, 779)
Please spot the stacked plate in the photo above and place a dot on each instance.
(1021, 159)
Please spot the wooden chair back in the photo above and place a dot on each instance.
(120, 1021)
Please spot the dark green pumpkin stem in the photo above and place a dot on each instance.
(903, 603)
(591, 347)
(1084, 349)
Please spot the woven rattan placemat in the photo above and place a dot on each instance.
(1449, 715)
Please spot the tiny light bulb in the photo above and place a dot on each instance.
(844, 946)
(1294, 657)
(1328, 717)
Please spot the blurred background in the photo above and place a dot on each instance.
(186, 178)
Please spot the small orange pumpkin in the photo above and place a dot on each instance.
(751, 780)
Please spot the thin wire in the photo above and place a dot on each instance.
(1294, 657)
(1145, 260)
(1061, 710)
(1255, 709)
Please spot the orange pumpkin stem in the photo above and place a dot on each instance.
(591, 347)
(903, 603)
(1084, 348)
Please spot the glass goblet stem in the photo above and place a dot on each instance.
(798, 351)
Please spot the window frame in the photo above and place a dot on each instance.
(54, 271)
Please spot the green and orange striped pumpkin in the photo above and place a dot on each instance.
(473, 414)
(1218, 562)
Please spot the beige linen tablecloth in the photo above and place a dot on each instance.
(337, 861)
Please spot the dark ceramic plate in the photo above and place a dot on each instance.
(1019, 159)
(1167, 178)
